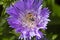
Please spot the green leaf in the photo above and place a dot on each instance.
(54, 36)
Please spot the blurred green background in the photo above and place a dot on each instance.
(53, 28)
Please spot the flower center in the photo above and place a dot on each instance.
(29, 20)
(30, 17)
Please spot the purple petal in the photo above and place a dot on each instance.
(12, 11)
(45, 12)
(28, 3)
(36, 4)
(14, 22)
(20, 5)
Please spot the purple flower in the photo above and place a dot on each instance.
(27, 17)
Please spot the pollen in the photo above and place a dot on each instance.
(30, 17)
(29, 20)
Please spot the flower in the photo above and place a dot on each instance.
(27, 17)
